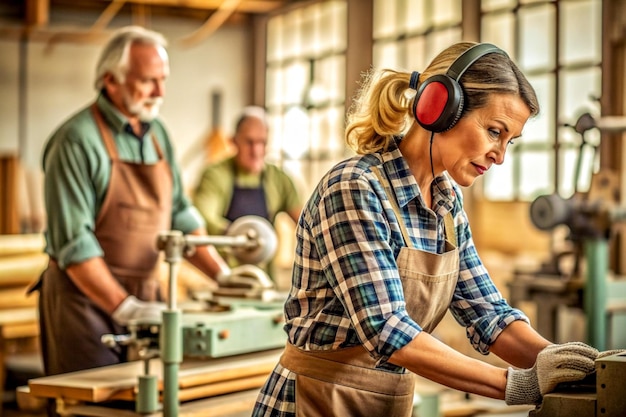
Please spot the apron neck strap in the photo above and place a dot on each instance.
(448, 220)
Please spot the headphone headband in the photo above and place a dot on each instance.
(439, 101)
(467, 58)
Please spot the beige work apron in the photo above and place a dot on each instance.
(136, 208)
(346, 382)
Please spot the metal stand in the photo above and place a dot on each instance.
(594, 303)
(257, 241)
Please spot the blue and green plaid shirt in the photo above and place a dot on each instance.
(346, 289)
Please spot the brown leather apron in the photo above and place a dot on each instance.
(346, 382)
(136, 208)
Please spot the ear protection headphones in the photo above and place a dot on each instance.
(438, 104)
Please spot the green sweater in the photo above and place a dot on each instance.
(215, 191)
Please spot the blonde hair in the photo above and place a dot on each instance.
(383, 106)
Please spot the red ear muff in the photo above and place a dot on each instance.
(438, 104)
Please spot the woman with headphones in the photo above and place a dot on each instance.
(384, 249)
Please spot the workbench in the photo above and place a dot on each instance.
(91, 392)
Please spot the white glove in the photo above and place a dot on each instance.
(606, 353)
(555, 364)
(135, 310)
(247, 274)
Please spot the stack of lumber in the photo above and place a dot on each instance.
(21, 262)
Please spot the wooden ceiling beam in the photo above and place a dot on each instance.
(37, 12)
(246, 6)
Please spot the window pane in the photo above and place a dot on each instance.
(537, 37)
(446, 11)
(274, 84)
(416, 54)
(386, 22)
(333, 24)
(541, 128)
(312, 33)
(292, 33)
(581, 45)
(498, 183)
(275, 45)
(326, 126)
(416, 17)
(274, 145)
(296, 81)
(329, 80)
(489, 5)
(440, 40)
(499, 29)
(537, 174)
(577, 90)
(573, 165)
(296, 133)
(385, 55)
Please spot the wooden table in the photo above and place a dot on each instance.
(198, 380)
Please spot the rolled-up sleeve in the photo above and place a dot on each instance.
(477, 304)
(352, 236)
(71, 203)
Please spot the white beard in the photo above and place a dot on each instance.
(146, 110)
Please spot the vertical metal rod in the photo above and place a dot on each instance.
(171, 352)
(173, 282)
(596, 254)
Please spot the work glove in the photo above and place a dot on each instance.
(137, 311)
(555, 364)
(248, 275)
(606, 353)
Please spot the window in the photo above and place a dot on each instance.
(305, 91)
(561, 61)
(558, 46)
(409, 33)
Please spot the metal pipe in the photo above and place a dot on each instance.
(171, 356)
(594, 303)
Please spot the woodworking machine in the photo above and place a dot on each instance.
(244, 315)
(602, 394)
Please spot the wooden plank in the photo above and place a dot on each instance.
(21, 269)
(225, 371)
(18, 316)
(17, 298)
(20, 331)
(119, 381)
(21, 244)
(221, 406)
(219, 388)
(37, 12)
(9, 215)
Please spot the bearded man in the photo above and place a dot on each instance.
(111, 185)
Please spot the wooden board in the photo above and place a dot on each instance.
(197, 379)
(19, 322)
(20, 244)
(234, 404)
(21, 269)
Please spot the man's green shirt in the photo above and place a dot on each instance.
(77, 170)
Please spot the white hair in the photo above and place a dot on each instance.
(248, 112)
(114, 56)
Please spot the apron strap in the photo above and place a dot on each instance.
(109, 142)
(105, 133)
(394, 204)
(448, 220)
(448, 224)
